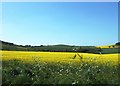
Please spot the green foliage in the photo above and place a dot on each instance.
(18, 72)
(118, 43)
(109, 50)
(57, 48)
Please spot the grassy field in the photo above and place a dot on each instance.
(58, 68)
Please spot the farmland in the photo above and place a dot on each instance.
(109, 49)
(59, 42)
(22, 67)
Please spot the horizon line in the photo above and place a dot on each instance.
(56, 44)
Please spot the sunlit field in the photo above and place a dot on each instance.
(21, 67)
(108, 46)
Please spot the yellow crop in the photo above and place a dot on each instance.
(59, 67)
(58, 57)
(108, 46)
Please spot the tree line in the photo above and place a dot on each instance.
(51, 48)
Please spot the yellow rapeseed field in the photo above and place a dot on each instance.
(58, 57)
(107, 46)
(23, 67)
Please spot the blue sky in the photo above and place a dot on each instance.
(51, 23)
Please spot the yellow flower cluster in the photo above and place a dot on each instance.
(58, 57)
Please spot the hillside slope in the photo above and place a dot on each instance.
(60, 48)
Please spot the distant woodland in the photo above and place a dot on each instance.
(59, 48)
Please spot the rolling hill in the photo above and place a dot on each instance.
(61, 48)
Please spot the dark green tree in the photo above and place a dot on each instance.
(118, 43)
